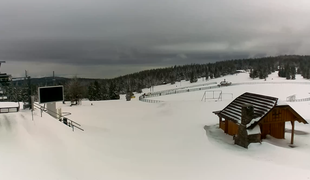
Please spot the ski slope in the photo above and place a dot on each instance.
(133, 140)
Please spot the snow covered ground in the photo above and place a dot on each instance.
(132, 140)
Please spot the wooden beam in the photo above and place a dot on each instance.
(293, 129)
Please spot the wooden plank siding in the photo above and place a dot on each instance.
(275, 129)
(229, 127)
(279, 114)
(222, 125)
(265, 129)
(274, 122)
(232, 128)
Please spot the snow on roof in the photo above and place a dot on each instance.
(262, 104)
(254, 120)
(255, 130)
(281, 103)
(8, 104)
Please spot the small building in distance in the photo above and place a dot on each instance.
(240, 71)
(251, 117)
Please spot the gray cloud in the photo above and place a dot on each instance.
(128, 35)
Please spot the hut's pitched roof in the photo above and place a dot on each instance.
(262, 105)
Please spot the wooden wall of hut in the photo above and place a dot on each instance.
(276, 130)
(222, 125)
(232, 128)
(274, 122)
(279, 114)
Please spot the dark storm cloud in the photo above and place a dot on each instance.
(149, 33)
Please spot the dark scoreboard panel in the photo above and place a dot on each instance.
(50, 94)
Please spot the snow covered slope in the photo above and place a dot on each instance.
(133, 140)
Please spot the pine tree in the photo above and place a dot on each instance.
(113, 94)
(74, 91)
(91, 92)
(193, 77)
(104, 91)
(293, 72)
(211, 76)
(254, 74)
(206, 74)
(298, 71)
(97, 91)
(216, 72)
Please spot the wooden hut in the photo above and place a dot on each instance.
(258, 114)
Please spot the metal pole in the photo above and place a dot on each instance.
(42, 109)
(32, 102)
(32, 114)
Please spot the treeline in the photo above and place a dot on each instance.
(107, 89)
(287, 66)
(258, 67)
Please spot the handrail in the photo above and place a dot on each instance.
(61, 116)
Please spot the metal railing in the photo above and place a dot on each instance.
(149, 100)
(65, 120)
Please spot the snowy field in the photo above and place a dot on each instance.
(175, 140)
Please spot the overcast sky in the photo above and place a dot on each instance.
(108, 38)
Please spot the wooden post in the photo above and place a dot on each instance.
(226, 126)
(293, 129)
(220, 121)
(32, 114)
